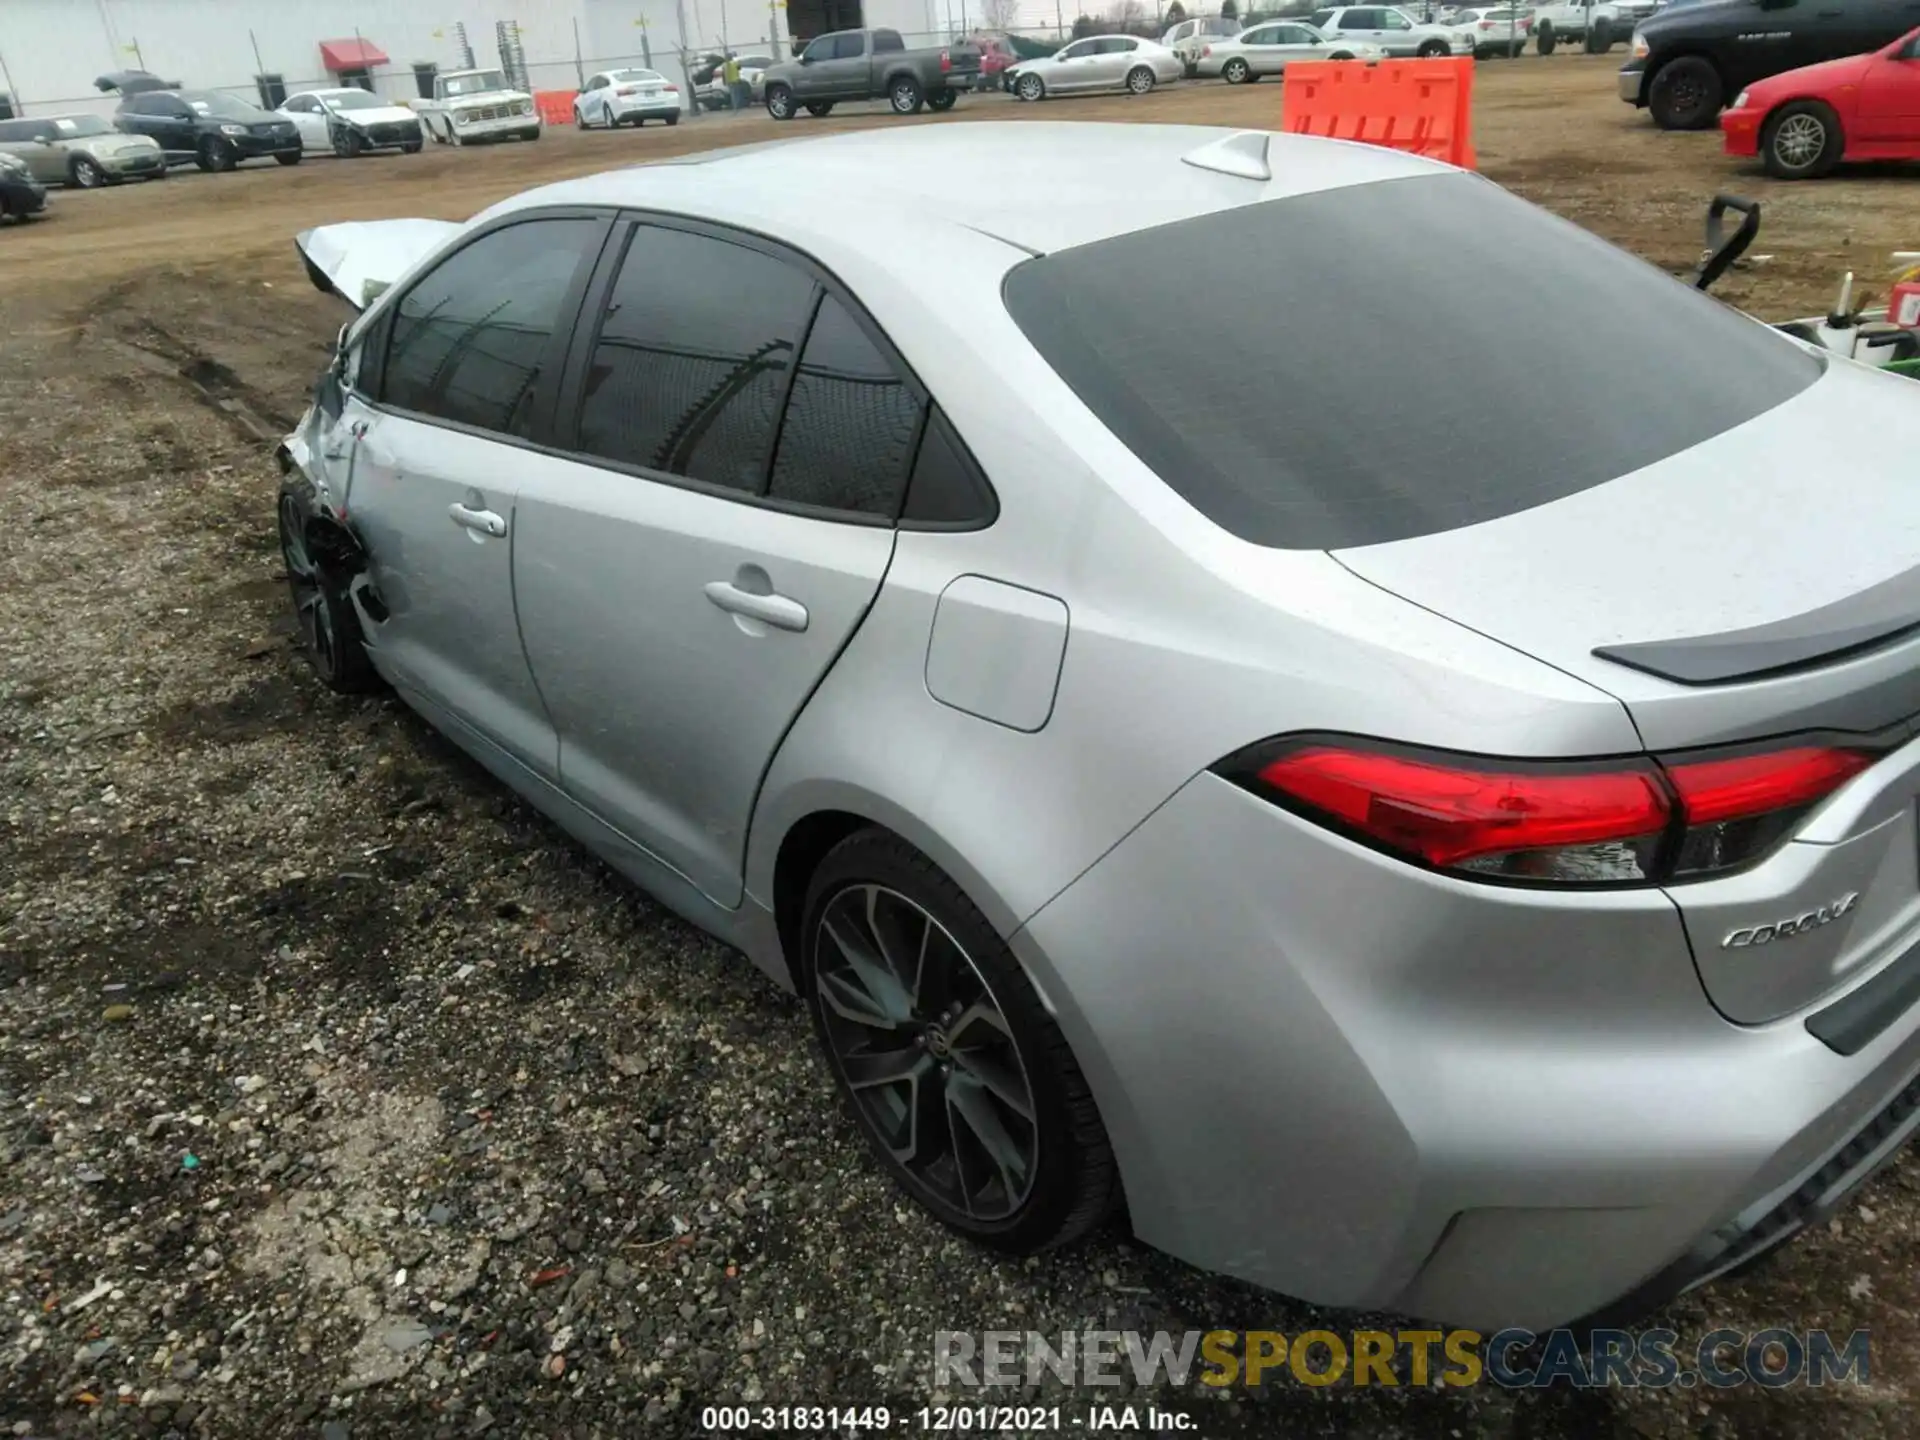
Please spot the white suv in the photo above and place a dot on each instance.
(1188, 38)
(1394, 31)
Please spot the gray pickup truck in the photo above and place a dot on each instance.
(869, 65)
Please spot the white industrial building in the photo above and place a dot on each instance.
(51, 51)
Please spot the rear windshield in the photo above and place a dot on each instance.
(1356, 386)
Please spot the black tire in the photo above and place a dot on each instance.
(213, 154)
(1802, 141)
(942, 102)
(86, 173)
(1435, 50)
(672, 120)
(1600, 36)
(1071, 1182)
(292, 157)
(1686, 94)
(329, 630)
(412, 147)
(1338, 55)
(348, 143)
(162, 172)
(819, 109)
(780, 102)
(1030, 87)
(905, 96)
(1236, 71)
(1543, 39)
(1140, 80)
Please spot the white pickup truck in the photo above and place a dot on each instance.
(1595, 25)
(469, 105)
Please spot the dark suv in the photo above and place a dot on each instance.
(209, 127)
(1690, 60)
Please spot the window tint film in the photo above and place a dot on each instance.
(948, 491)
(692, 358)
(469, 339)
(850, 422)
(1240, 397)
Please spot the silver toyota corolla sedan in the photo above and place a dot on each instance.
(1462, 870)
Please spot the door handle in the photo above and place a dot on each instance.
(484, 521)
(775, 610)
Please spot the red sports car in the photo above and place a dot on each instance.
(1804, 122)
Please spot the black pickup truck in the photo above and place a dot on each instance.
(870, 65)
(1690, 60)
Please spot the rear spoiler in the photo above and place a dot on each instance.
(1879, 615)
(359, 259)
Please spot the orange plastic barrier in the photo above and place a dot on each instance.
(1424, 106)
(555, 106)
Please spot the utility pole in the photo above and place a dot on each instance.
(579, 69)
(686, 71)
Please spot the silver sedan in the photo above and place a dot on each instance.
(1099, 62)
(1343, 844)
(1267, 50)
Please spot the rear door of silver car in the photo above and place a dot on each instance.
(723, 520)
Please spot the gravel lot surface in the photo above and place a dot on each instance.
(341, 1096)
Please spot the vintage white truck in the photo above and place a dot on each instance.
(469, 105)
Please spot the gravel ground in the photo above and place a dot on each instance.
(341, 1096)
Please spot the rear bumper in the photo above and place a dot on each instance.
(1631, 80)
(1741, 131)
(635, 107)
(1367, 1086)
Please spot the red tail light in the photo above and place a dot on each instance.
(1205, 50)
(1637, 821)
(946, 61)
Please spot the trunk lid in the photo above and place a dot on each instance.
(1762, 583)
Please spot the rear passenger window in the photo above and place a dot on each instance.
(850, 423)
(692, 356)
(469, 340)
(947, 492)
(849, 47)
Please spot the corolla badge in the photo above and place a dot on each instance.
(1793, 925)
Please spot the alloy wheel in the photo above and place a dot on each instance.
(1140, 81)
(922, 1045)
(1799, 140)
(304, 581)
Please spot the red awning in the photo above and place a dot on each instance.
(338, 55)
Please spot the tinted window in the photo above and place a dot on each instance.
(821, 49)
(1268, 36)
(1116, 45)
(849, 47)
(947, 490)
(470, 338)
(1322, 18)
(221, 106)
(1078, 48)
(1294, 35)
(692, 358)
(1225, 394)
(1360, 20)
(18, 130)
(850, 423)
(887, 40)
